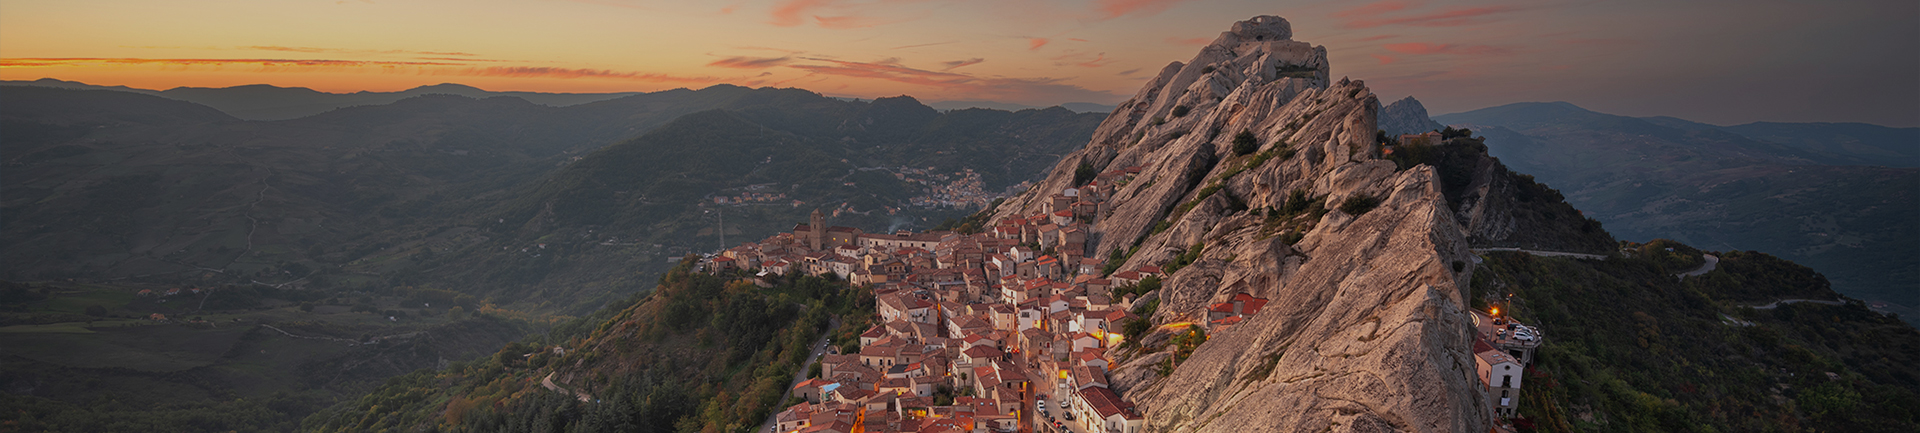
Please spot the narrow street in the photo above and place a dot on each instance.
(1037, 420)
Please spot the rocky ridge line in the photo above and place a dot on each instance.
(1366, 329)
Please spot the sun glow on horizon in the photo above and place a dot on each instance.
(1453, 54)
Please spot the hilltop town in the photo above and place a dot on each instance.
(1014, 324)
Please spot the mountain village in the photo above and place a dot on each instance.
(1018, 322)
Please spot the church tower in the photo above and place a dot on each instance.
(819, 225)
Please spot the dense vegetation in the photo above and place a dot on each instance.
(703, 353)
(1632, 348)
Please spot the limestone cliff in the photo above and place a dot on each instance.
(1366, 329)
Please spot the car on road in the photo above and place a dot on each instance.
(1067, 414)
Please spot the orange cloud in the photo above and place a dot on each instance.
(1110, 9)
(1385, 59)
(960, 63)
(739, 62)
(1188, 41)
(1036, 43)
(1446, 18)
(83, 61)
(1375, 38)
(1455, 49)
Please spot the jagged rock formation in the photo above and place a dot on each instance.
(1366, 329)
(1406, 116)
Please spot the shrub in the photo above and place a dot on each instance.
(1084, 173)
(1296, 202)
(1359, 204)
(1245, 143)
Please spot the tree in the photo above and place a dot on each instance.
(96, 311)
(1083, 173)
(1245, 143)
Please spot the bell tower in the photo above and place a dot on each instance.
(819, 225)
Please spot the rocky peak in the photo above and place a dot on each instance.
(1248, 152)
(1406, 116)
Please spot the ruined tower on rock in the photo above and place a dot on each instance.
(1248, 152)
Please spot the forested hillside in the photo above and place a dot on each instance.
(701, 353)
(1629, 347)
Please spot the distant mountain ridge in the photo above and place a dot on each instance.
(114, 184)
(1837, 197)
(267, 102)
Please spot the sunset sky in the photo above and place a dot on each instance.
(1716, 61)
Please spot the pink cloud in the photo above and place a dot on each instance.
(1036, 43)
(1375, 38)
(1446, 18)
(1455, 49)
(1098, 61)
(791, 13)
(1110, 9)
(739, 62)
(1188, 41)
(1385, 59)
(960, 63)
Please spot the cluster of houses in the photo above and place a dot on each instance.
(1502, 350)
(148, 293)
(751, 197)
(995, 319)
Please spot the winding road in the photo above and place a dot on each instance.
(1776, 304)
(819, 347)
(1712, 262)
(1582, 256)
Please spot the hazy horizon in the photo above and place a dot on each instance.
(1719, 62)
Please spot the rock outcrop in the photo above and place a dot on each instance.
(1366, 328)
(1407, 116)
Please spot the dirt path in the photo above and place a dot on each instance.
(548, 383)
